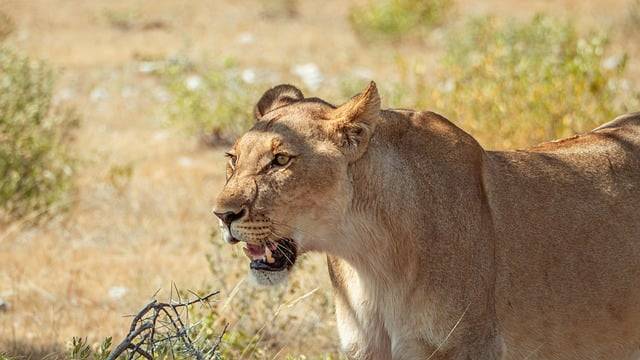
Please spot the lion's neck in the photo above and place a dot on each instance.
(376, 250)
(417, 206)
(378, 236)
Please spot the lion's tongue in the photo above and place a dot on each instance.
(258, 252)
(254, 252)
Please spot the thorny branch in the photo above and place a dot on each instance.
(159, 323)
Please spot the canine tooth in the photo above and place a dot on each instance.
(268, 255)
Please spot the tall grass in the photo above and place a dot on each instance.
(36, 165)
(516, 84)
(213, 102)
(395, 19)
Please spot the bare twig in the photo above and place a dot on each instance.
(159, 323)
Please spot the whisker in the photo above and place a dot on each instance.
(278, 246)
(277, 234)
(287, 258)
(293, 228)
(283, 249)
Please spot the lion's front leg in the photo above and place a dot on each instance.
(361, 331)
(469, 344)
(361, 338)
(418, 349)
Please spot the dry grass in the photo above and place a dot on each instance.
(140, 219)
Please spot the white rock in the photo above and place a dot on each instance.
(160, 136)
(193, 82)
(63, 95)
(117, 292)
(310, 74)
(248, 76)
(98, 94)
(246, 38)
(449, 85)
(185, 161)
(612, 62)
(147, 67)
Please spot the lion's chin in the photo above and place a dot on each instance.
(268, 278)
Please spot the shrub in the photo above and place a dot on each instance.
(214, 103)
(515, 84)
(392, 19)
(79, 349)
(35, 162)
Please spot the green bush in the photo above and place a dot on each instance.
(35, 162)
(516, 84)
(80, 349)
(214, 103)
(393, 19)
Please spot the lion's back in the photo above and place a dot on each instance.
(629, 121)
(567, 220)
(622, 132)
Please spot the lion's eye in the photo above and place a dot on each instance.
(281, 160)
(232, 159)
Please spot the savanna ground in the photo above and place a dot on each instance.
(139, 216)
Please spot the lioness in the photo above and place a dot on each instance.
(438, 249)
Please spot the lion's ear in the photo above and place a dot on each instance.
(354, 122)
(276, 97)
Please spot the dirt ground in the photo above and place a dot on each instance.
(125, 238)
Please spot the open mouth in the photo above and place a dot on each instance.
(278, 255)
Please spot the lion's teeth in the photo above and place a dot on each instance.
(268, 255)
(254, 252)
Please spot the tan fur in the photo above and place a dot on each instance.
(439, 249)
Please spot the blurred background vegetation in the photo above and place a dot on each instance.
(35, 161)
(398, 19)
(114, 117)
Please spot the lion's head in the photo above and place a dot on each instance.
(287, 178)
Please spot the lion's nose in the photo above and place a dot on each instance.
(229, 216)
